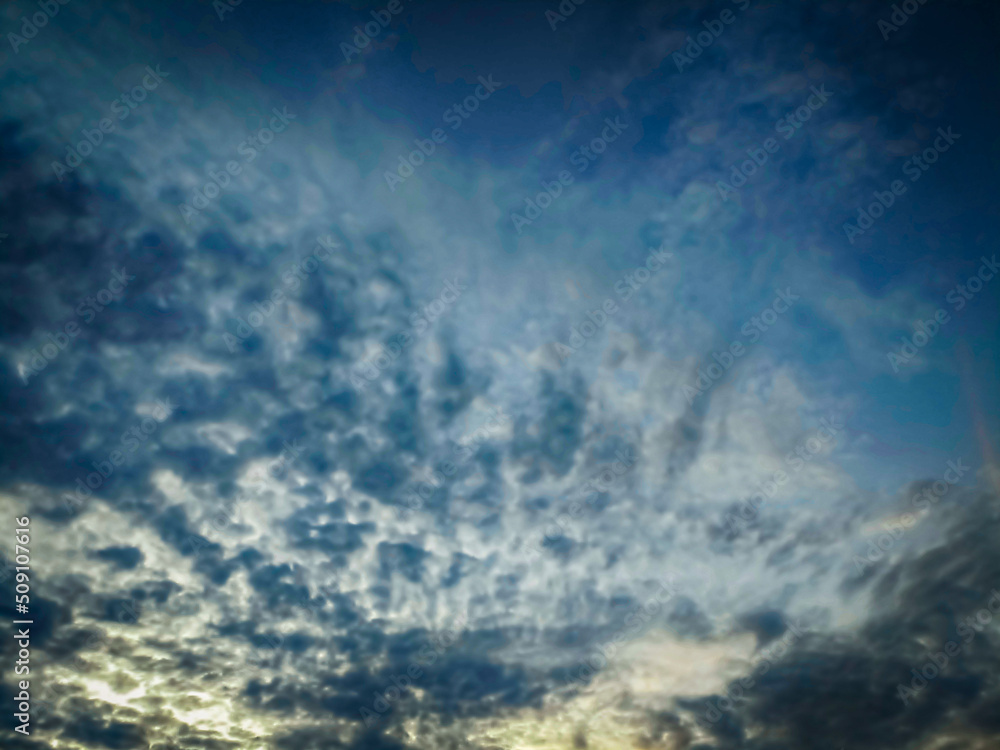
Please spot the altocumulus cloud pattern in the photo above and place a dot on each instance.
(499, 375)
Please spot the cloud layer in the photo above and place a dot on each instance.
(314, 458)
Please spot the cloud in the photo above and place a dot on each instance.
(217, 591)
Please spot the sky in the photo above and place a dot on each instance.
(500, 375)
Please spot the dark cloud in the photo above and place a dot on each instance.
(404, 559)
(113, 735)
(310, 597)
(857, 680)
(125, 558)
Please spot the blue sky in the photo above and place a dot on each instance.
(273, 587)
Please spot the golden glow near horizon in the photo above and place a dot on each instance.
(611, 712)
